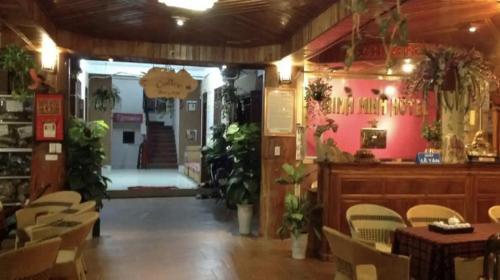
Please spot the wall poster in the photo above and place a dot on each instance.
(279, 119)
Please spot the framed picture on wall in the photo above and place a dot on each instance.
(279, 114)
(191, 105)
(192, 134)
(373, 138)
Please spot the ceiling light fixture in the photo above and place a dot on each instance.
(195, 5)
(285, 66)
(180, 22)
(408, 67)
(472, 28)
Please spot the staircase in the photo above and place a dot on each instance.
(161, 147)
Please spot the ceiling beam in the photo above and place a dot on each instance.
(20, 34)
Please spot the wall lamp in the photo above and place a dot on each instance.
(285, 70)
(49, 54)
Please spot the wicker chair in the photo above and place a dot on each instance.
(69, 264)
(355, 260)
(468, 269)
(373, 224)
(30, 263)
(64, 198)
(76, 209)
(494, 213)
(424, 214)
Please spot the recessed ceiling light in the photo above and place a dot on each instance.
(389, 71)
(472, 28)
(180, 22)
(111, 59)
(195, 5)
(408, 67)
(224, 67)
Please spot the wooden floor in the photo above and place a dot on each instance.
(187, 239)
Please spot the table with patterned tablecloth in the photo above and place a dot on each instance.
(432, 253)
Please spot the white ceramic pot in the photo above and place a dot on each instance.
(299, 246)
(245, 213)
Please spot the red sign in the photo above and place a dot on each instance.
(127, 118)
(49, 117)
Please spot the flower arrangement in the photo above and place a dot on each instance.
(453, 74)
(431, 132)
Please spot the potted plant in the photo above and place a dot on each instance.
(456, 77)
(106, 98)
(295, 223)
(17, 62)
(217, 160)
(243, 186)
(85, 160)
(431, 132)
(318, 90)
(294, 210)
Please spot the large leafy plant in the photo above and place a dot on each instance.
(17, 62)
(243, 186)
(295, 217)
(452, 74)
(85, 159)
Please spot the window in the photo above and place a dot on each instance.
(128, 137)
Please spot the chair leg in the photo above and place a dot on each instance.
(84, 264)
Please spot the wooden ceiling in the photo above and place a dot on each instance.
(241, 23)
(436, 22)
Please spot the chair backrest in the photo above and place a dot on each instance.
(350, 253)
(28, 216)
(64, 198)
(77, 209)
(372, 222)
(468, 269)
(424, 214)
(31, 262)
(494, 213)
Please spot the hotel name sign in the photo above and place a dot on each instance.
(375, 106)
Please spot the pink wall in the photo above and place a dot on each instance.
(403, 132)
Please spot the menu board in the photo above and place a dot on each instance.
(280, 112)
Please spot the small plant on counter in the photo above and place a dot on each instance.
(17, 62)
(85, 159)
(106, 99)
(431, 132)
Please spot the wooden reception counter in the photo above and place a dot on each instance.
(470, 189)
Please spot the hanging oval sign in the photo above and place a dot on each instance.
(164, 83)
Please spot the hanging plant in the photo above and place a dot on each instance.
(392, 27)
(230, 100)
(17, 62)
(453, 74)
(105, 98)
(318, 90)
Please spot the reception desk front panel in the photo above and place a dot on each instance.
(468, 189)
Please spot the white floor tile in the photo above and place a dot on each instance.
(124, 178)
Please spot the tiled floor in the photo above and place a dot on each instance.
(124, 178)
(188, 239)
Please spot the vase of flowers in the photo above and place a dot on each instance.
(431, 132)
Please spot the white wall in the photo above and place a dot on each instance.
(212, 81)
(124, 156)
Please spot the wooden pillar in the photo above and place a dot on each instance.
(50, 175)
(272, 194)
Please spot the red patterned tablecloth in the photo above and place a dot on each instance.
(432, 253)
